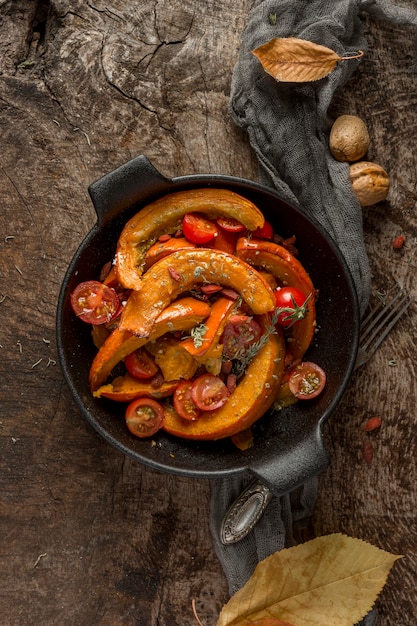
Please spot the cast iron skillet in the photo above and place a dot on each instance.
(288, 445)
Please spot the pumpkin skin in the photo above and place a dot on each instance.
(163, 216)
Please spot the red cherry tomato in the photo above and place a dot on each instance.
(144, 417)
(184, 403)
(197, 228)
(264, 232)
(307, 380)
(291, 306)
(209, 392)
(140, 365)
(230, 225)
(94, 302)
(239, 334)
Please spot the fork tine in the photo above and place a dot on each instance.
(379, 311)
(387, 318)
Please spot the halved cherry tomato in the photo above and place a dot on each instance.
(291, 306)
(264, 232)
(307, 380)
(209, 392)
(197, 228)
(184, 403)
(230, 224)
(94, 302)
(141, 365)
(144, 417)
(239, 334)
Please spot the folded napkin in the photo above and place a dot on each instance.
(288, 129)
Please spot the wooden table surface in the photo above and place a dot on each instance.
(87, 535)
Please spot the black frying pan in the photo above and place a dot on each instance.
(288, 445)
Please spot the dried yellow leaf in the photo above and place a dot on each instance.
(293, 60)
(330, 581)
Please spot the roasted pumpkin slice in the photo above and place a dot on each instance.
(183, 314)
(126, 388)
(163, 248)
(214, 325)
(252, 397)
(180, 272)
(173, 361)
(165, 215)
(283, 265)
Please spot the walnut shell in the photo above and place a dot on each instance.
(349, 138)
(370, 182)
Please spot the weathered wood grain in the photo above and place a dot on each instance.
(88, 536)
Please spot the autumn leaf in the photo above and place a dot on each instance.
(293, 60)
(330, 581)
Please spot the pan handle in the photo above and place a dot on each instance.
(305, 459)
(125, 186)
(277, 476)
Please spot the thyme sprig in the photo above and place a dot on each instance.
(197, 334)
(240, 364)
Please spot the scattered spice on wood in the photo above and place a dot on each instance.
(367, 451)
(372, 424)
(398, 242)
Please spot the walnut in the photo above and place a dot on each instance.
(370, 182)
(349, 138)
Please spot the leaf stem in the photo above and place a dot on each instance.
(358, 55)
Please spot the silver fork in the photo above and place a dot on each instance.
(248, 508)
(379, 321)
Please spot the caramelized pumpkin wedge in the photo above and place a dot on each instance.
(126, 388)
(180, 272)
(221, 309)
(281, 263)
(165, 215)
(163, 248)
(252, 397)
(183, 314)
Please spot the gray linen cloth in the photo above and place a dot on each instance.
(288, 129)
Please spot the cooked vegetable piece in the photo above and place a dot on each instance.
(140, 365)
(291, 306)
(307, 380)
(230, 224)
(198, 229)
(281, 263)
(165, 215)
(209, 392)
(183, 314)
(144, 417)
(239, 335)
(210, 332)
(184, 403)
(252, 398)
(126, 388)
(159, 287)
(163, 248)
(95, 303)
(174, 362)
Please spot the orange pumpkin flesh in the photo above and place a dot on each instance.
(164, 216)
(127, 388)
(221, 309)
(252, 397)
(202, 265)
(281, 263)
(183, 314)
